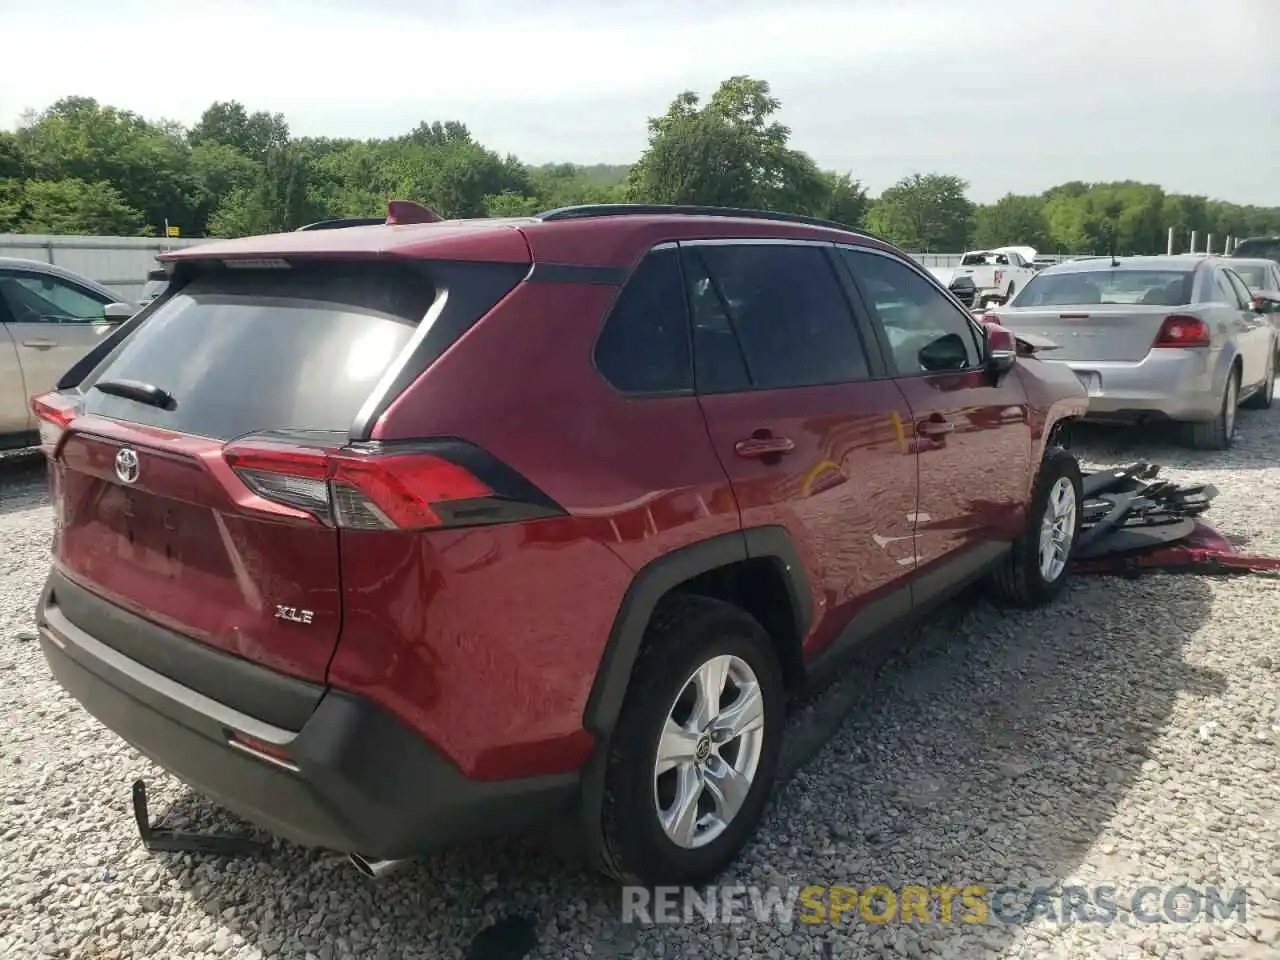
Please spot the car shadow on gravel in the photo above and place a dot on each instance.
(992, 749)
(1257, 433)
(24, 481)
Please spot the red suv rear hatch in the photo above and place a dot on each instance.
(169, 498)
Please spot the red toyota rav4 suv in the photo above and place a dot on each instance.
(387, 536)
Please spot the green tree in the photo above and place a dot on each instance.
(1012, 219)
(70, 207)
(146, 164)
(11, 206)
(924, 212)
(252, 134)
(730, 152)
(11, 160)
(512, 205)
(278, 199)
(845, 200)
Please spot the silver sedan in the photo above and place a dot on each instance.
(49, 318)
(1154, 338)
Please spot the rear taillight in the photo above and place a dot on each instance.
(1182, 331)
(55, 413)
(990, 318)
(999, 277)
(421, 487)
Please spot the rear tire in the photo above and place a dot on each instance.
(1266, 395)
(692, 644)
(1218, 433)
(1026, 578)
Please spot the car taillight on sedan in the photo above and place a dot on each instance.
(1182, 331)
(55, 414)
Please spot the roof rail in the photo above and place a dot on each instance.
(593, 210)
(342, 223)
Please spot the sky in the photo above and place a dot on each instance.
(1014, 97)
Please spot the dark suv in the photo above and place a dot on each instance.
(389, 536)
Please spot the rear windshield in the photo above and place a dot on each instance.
(1262, 248)
(1165, 288)
(248, 351)
(980, 258)
(1253, 274)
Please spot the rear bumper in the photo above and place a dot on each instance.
(358, 781)
(1165, 384)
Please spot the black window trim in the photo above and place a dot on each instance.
(621, 287)
(976, 330)
(750, 387)
(1237, 283)
(876, 368)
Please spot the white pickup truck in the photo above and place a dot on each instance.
(997, 274)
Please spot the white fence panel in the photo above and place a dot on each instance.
(122, 263)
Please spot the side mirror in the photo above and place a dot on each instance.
(943, 354)
(117, 312)
(1002, 349)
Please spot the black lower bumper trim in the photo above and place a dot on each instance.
(365, 783)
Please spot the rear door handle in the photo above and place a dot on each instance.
(39, 344)
(763, 446)
(935, 428)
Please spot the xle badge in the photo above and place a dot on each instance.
(294, 614)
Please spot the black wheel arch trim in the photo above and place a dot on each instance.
(650, 584)
(657, 578)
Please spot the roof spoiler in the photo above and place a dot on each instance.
(398, 212)
(406, 211)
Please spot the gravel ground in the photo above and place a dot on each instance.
(1125, 736)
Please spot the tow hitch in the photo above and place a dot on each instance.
(177, 841)
(1132, 521)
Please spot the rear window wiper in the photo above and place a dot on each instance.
(147, 393)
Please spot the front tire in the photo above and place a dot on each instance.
(1038, 566)
(695, 752)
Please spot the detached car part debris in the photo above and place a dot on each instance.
(1133, 521)
(159, 840)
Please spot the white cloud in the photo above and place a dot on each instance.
(1013, 96)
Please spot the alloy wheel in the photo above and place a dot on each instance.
(709, 751)
(1057, 529)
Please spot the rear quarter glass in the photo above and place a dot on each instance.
(246, 351)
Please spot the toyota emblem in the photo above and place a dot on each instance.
(127, 465)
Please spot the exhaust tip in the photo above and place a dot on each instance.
(373, 869)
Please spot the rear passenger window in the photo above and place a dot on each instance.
(1223, 290)
(644, 345)
(770, 316)
(1243, 296)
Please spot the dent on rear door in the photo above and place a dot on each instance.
(15, 411)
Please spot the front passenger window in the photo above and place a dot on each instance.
(33, 298)
(926, 332)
